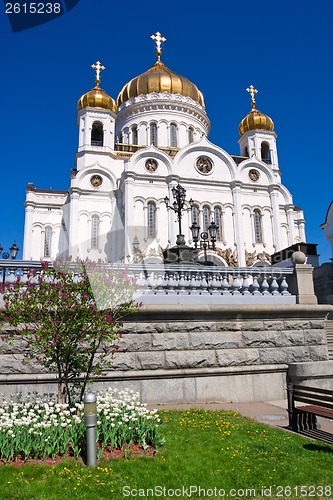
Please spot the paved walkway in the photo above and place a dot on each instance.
(273, 413)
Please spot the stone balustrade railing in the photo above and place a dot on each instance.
(172, 284)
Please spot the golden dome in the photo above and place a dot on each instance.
(96, 98)
(255, 119)
(159, 78)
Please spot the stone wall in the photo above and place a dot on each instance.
(199, 353)
(318, 374)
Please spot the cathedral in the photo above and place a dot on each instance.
(132, 155)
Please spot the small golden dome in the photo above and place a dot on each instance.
(159, 78)
(97, 98)
(255, 119)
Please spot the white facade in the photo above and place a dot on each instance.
(327, 226)
(128, 160)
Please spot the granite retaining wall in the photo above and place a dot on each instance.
(198, 353)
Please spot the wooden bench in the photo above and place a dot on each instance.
(303, 419)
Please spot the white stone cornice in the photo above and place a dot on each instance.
(160, 96)
(96, 112)
(155, 102)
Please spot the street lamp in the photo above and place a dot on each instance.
(207, 238)
(5, 255)
(13, 251)
(179, 194)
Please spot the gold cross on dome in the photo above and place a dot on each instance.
(158, 39)
(98, 67)
(252, 91)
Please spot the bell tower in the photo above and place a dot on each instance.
(96, 120)
(258, 137)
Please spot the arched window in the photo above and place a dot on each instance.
(195, 214)
(153, 134)
(265, 152)
(134, 135)
(190, 135)
(151, 220)
(257, 223)
(120, 138)
(94, 231)
(97, 134)
(205, 218)
(47, 241)
(246, 152)
(218, 222)
(173, 135)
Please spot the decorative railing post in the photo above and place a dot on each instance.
(301, 283)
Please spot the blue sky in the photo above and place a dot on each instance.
(284, 48)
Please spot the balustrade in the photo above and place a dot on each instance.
(207, 281)
(158, 284)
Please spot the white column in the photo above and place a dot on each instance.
(163, 135)
(274, 197)
(129, 216)
(273, 151)
(252, 229)
(186, 230)
(291, 223)
(273, 156)
(257, 147)
(87, 132)
(42, 243)
(171, 218)
(81, 132)
(223, 231)
(109, 134)
(55, 241)
(74, 225)
(142, 134)
(301, 228)
(263, 230)
(27, 250)
(239, 240)
(182, 136)
(157, 227)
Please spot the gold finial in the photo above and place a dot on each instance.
(253, 92)
(98, 67)
(158, 39)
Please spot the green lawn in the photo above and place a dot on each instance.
(203, 448)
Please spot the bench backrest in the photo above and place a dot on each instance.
(312, 395)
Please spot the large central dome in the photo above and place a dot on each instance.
(159, 78)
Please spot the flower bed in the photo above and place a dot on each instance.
(42, 428)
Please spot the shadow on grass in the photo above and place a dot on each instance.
(317, 447)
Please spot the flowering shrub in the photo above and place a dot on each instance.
(70, 318)
(42, 428)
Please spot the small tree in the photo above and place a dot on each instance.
(70, 318)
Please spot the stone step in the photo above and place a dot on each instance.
(329, 336)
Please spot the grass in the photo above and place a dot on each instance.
(203, 448)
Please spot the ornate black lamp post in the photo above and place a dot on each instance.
(183, 253)
(13, 252)
(179, 194)
(207, 238)
(5, 255)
